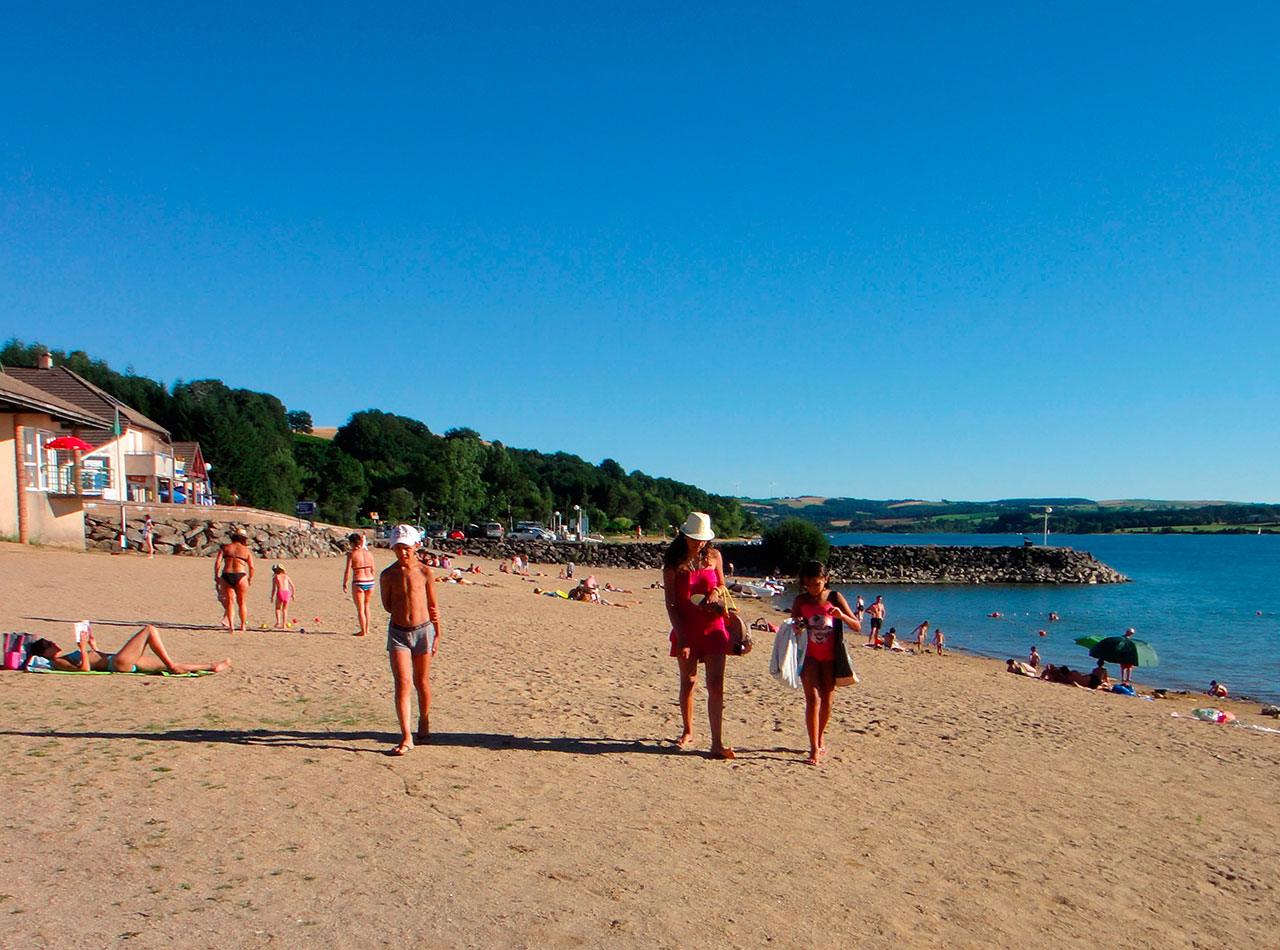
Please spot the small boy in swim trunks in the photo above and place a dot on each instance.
(282, 591)
(409, 594)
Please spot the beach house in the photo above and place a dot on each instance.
(131, 457)
(41, 487)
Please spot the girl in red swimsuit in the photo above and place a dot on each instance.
(692, 574)
(816, 611)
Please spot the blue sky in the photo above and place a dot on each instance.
(935, 251)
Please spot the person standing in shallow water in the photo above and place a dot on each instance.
(692, 574)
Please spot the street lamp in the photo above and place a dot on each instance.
(578, 510)
(1047, 511)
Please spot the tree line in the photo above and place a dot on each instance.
(264, 455)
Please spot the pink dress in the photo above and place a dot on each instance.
(706, 632)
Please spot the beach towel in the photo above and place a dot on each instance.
(48, 668)
(787, 658)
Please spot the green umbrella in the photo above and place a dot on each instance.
(1126, 651)
(1090, 641)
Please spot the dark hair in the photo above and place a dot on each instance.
(813, 569)
(677, 555)
(37, 648)
(355, 537)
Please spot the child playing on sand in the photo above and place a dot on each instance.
(409, 594)
(816, 611)
(939, 641)
(282, 591)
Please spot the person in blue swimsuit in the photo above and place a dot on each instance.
(359, 571)
(129, 658)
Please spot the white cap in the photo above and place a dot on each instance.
(405, 534)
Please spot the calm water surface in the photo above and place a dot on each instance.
(1209, 605)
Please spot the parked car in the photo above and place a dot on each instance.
(435, 530)
(531, 533)
(492, 529)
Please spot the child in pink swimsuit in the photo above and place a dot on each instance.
(817, 611)
(282, 591)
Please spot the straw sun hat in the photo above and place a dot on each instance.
(698, 526)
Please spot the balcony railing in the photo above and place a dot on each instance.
(62, 481)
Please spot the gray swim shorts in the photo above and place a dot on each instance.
(417, 640)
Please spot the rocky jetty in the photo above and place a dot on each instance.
(867, 564)
(197, 537)
(888, 564)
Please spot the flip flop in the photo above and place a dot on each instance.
(402, 749)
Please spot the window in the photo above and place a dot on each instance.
(36, 459)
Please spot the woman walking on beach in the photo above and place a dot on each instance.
(233, 564)
(359, 571)
(816, 611)
(692, 575)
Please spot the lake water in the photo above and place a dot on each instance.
(1209, 604)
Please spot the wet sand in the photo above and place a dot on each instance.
(959, 806)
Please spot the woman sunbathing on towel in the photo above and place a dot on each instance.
(128, 659)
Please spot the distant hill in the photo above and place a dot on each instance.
(1019, 515)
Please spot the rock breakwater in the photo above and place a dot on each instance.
(197, 537)
(887, 564)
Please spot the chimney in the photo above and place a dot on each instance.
(44, 361)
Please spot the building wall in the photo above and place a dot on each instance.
(144, 455)
(56, 520)
(8, 479)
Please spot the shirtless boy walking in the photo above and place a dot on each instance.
(408, 594)
(233, 565)
(359, 570)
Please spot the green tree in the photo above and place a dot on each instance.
(300, 421)
(793, 541)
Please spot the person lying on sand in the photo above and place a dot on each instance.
(129, 658)
(1021, 669)
(1066, 676)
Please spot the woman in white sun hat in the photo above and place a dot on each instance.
(692, 572)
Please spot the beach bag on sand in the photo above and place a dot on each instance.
(15, 649)
(788, 656)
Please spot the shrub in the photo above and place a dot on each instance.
(793, 541)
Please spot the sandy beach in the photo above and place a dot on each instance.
(959, 806)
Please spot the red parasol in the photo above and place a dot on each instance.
(69, 442)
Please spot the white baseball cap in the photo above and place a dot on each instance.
(405, 534)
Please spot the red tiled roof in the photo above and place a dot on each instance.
(73, 388)
(18, 396)
(189, 452)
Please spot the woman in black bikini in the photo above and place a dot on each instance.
(234, 564)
